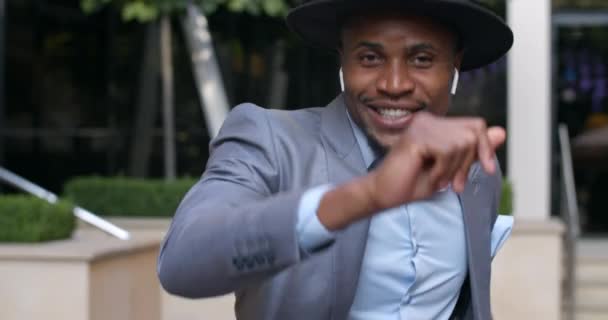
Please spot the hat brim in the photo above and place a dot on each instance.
(484, 36)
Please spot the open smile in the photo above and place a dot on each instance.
(390, 117)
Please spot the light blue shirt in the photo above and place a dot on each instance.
(415, 259)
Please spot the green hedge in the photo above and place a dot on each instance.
(28, 219)
(121, 196)
(506, 200)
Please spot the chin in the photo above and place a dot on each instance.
(384, 142)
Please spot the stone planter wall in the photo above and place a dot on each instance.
(173, 307)
(527, 273)
(89, 277)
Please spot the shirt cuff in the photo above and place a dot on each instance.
(501, 232)
(310, 232)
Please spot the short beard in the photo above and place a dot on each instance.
(378, 149)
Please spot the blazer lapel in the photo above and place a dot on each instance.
(477, 231)
(344, 162)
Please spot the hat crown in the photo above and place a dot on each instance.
(484, 36)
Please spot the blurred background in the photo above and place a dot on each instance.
(76, 83)
(85, 88)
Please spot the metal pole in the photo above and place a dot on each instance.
(572, 221)
(50, 197)
(2, 55)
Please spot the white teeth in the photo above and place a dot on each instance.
(393, 113)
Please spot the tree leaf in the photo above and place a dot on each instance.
(147, 10)
(139, 11)
(90, 6)
(274, 8)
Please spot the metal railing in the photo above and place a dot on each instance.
(570, 215)
(81, 213)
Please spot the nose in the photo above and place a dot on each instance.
(395, 81)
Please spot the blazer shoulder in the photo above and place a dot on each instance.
(243, 123)
(247, 112)
(303, 117)
(279, 123)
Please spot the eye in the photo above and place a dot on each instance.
(422, 60)
(369, 59)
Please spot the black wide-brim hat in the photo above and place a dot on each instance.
(483, 35)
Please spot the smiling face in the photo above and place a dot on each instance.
(395, 65)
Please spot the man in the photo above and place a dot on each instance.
(374, 207)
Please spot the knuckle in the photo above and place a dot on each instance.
(465, 142)
(470, 139)
(447, 150)
(415, 147)
(463, 145)
(480, 123)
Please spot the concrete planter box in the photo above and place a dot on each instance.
(136, 224)
(173, 307)
(527, 272)
(526, 275)
(89, 277)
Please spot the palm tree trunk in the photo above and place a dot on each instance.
(207, 74)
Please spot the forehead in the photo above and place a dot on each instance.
(397, 27)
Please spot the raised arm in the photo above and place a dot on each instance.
(232, 228)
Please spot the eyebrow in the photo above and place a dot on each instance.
(422, 47)
(413, 48)
(369, 44)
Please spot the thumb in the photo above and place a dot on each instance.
(496, 137)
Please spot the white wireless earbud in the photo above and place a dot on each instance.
(341, 80)
(455, 81)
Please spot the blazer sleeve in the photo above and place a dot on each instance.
(232, 228)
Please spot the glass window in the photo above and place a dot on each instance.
(580, 4)
(581, 99)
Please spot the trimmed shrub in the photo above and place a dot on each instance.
(121, 196)
(29, 219)
(506, 199)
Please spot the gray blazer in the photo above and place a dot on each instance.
(235, 229)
